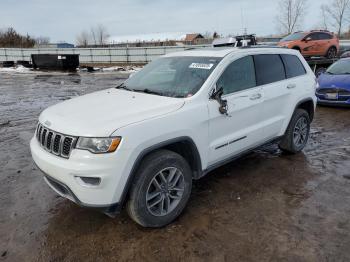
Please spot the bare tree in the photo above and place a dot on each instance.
(83, 39)
(102, 34)
(42, 40)
(10, 38)
(99, 34)
(324, 17)
(291, 14)
(93, 35)
(338, 11)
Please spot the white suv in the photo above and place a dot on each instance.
(142, 143)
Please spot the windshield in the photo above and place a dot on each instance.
(295, 36)
(342, 67)
(173, 76)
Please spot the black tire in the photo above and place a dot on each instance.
(138, 206)
(297, 48)
(332, 52)
(288, 143)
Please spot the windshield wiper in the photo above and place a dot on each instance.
(148, 91)
(124, 87)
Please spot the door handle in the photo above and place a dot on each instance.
(255, 97)
(291, 86)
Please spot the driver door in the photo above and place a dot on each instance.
(311, 45)
(239, 129)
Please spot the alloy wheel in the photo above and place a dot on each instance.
(300, 132)
(165, 191)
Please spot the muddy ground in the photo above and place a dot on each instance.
(264, 207)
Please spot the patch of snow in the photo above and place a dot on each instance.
(17, 69)
(127, 69)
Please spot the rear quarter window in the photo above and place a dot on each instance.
(269, 69)
(293, 66)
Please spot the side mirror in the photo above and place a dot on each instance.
(217, 95)
(320, 71)
(307, 39)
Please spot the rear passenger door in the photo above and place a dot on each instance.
(282, 79)
(324, 43)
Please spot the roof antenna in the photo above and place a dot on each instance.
(244, 29)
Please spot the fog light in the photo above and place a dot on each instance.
(89, 181)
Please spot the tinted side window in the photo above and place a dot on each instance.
(239, 75)
(269, 69)
(293, 66)
(314, 36)
(325, 36)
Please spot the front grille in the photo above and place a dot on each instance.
(55, 143)
(340, 91)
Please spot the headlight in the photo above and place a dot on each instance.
(98, 145)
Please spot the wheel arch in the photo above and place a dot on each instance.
(184, 146)
(308, 105)
(332, 46)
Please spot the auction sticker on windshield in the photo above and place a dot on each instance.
(201, 66)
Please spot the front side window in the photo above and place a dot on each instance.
(313, 37)
(269, 69)
(293, 66)
(238, 76)
(173, 76)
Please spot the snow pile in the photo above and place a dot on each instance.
(17, 69)
(127, 69)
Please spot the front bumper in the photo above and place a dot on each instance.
(63, 175)
(323, 98)
(63, 190)
(322, 101)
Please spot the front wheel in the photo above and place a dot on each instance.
(161, 189)
(297, 133)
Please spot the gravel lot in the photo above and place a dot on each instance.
(264, 207)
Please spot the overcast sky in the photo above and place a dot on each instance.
(62, 20)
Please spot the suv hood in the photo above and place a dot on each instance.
(100, 113)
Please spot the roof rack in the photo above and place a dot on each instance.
(237, 41)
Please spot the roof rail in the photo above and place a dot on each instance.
(320, 30)
(261, 46)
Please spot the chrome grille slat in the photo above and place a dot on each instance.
(39, 136)
(54, 142)
(61, 144)
(43, 136)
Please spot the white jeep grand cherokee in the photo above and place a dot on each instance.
(143, 142)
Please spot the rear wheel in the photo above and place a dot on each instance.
(161, 189)
(331, 53)
(297, 48)
(297, 133)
